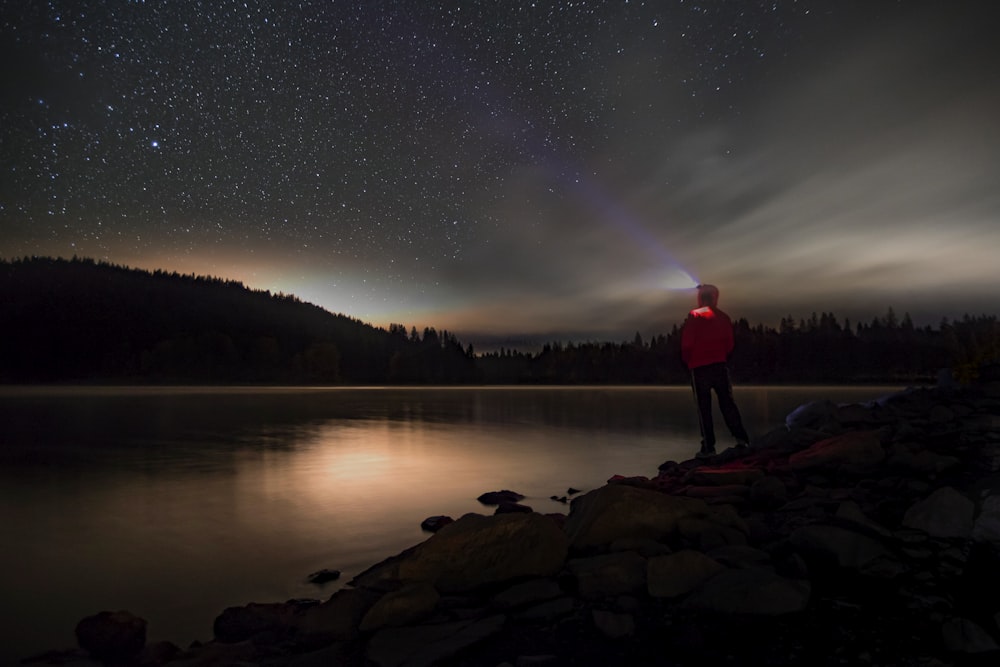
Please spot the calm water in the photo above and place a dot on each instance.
(177, 503)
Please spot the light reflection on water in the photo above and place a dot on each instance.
(177, 503)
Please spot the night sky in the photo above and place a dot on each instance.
(552, 169)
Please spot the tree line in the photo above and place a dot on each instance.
(819, 349)
(79, 320)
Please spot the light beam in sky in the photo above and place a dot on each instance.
(558, 169)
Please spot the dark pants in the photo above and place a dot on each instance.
(704, 379)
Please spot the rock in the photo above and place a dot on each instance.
(923, 461)
(323, 576)
(474, 551)
(336, 619)
(941, 414)
(851, 511)
(736, 555)
(838, 546)
(964, 636)
(945, 513)
(216, 654)
(725, 476)
(707, 534)
(157, 653)
(513, 508)
(548, 610)
(536, 660)
(112, 636)
(527, 592)
(238, 624)
(856, 414)
(433, 524)
(425, 645)
(712, 491)
(817, 416)
(643, 546)
(987, 525)
(497, 497)
(786, 439)
(619, 511)
(407, 606)
(608, 574)
(613, 625)
(768, 491)
(755, 591)
(853, 450)
(679, 573)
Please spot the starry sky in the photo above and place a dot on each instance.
(516, 171)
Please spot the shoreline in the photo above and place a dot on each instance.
(798, 535)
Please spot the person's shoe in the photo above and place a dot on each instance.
(705, 453)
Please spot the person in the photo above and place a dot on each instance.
(706, 343)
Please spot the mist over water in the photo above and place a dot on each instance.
(178, 503)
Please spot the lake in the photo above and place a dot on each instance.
(175, 503)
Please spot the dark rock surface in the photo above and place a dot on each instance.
(499, 497)
(433, 524)
(324, 576)
(112, 636)
(864, 534)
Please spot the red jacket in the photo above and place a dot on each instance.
(707, 337)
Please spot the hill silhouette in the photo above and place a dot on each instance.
(84, 321)
(81, 321)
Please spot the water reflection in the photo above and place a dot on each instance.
(177, 503)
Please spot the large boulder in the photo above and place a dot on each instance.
(407, 606)
(768, 491)
(426, 645)
(817, 416)
(757, 591)
(609, 574)
(945, 513)
(237, 624)
(987, 525)
(475, 551)
(676, 574)
(964, 636)
(853, 450)
(112, 636)
(840, 546)
(724, 476)
(337, 619)
(619, 511)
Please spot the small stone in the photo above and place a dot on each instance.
(433, 524)
(613, 625)
(497, 497)
(323, 576)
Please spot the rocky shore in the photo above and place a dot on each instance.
(863, 534)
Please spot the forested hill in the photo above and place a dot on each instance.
(80, 321)
(83, 321)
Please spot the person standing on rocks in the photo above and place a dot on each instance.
(706, 343)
